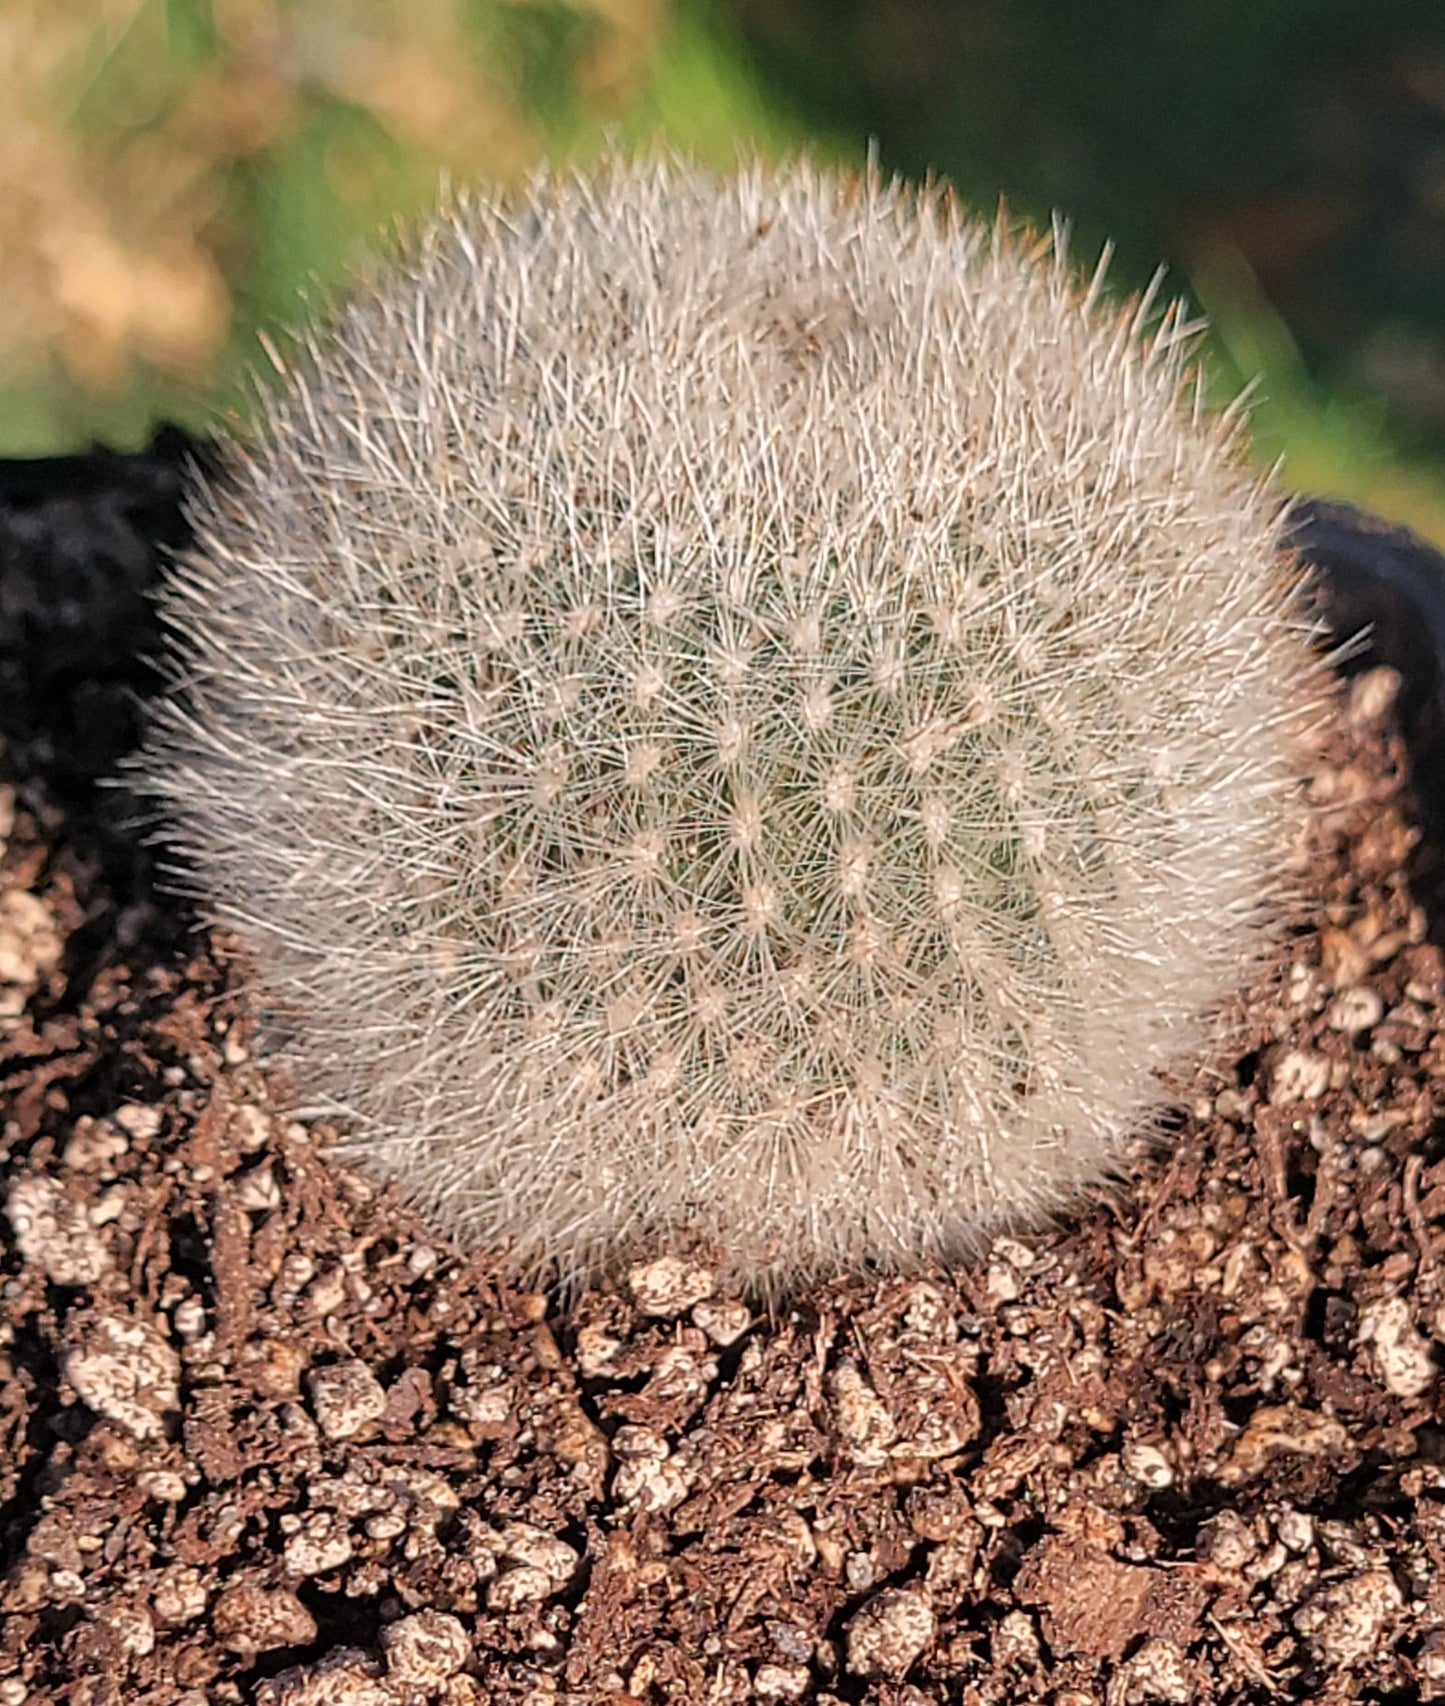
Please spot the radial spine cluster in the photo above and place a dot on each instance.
(752, 709)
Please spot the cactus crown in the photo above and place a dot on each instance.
(750, 706)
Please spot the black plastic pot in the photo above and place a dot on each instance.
(1380, 581)
(83, 540)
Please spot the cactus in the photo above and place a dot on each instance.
(756, 710)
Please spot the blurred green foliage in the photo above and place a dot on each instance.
(1286, 158)
(177, 174)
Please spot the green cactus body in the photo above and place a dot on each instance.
(747, 709)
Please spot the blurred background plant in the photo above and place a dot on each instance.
(175, 173)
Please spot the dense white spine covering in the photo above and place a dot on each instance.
(742, 708)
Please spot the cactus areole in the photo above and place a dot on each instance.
(755, 709)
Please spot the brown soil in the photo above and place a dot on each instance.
(263, 1439)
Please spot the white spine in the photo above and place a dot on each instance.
(744, 708)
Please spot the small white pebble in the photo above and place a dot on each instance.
(669, 1285)
(1372, 694)
(108, 1207)
(1015, 1641)
(251, 1616)
(94, 1145)
(249, 1128)
(782, 1682)
(1146, 1464)
(189, 1319)
(345, 1397)
(1157, 1672)
(645, 1480)
(860, 1415)
(321, 1544)
(140, 1121)
(525, 1543)
(1356, 1009)
(889, 1632)
(928, 1313)
(165, 1485)
(179, 1596)
(30, 940)
(484, 1407)
(327, 1292)
(1402, 1353)
(524, 1585)
(1298, 1075)
(1296, 1529)
(1431, 1660)
(132, 1628)
(596, 1350)
(345, 1676)
(1227, 1541)
(1267, 1564)
(53, 1234)
(424, 1649)
(258, 1191)
(723, 1321)
(124, 1370)
(1349, 1622)
(1011, 1251)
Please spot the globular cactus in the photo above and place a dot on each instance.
(754, 710)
